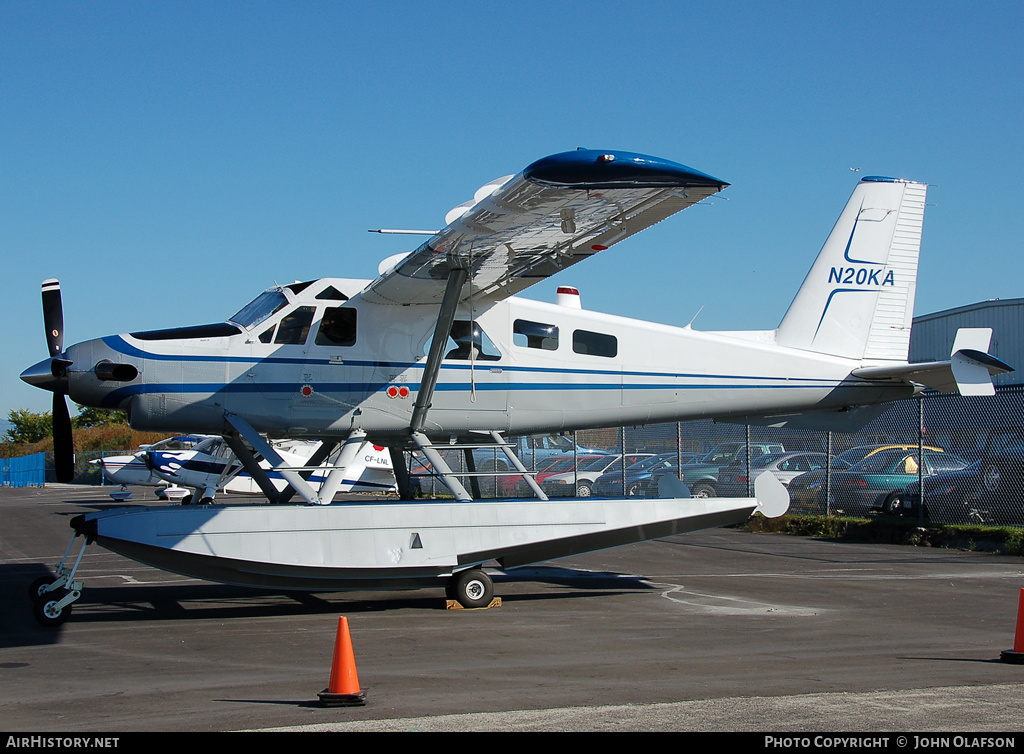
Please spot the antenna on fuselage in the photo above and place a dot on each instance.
(689, 324)
(399, 231)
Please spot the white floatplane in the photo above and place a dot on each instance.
(134, 469)
(438, 352)
(212, 465)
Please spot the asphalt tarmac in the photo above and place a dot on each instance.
(720, 630)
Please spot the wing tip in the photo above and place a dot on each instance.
(606, 169)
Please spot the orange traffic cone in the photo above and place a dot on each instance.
(343, 688)
(1016, 655)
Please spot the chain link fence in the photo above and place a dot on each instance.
(966, 453)
(937, 458)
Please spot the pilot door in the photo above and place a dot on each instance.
(282, 367)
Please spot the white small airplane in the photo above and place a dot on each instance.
(134, 469)
(212, 465)
(438, 351)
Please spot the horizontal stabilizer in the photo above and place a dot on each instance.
(969, 371)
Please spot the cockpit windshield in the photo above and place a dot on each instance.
(259, 308)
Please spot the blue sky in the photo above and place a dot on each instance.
(168, 161)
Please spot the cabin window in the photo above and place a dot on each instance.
(337, 327)
(534, 335)
(467, 340)
(594, 343)
(294, 327)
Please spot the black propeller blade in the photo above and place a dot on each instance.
(63, 442)
(53, 317)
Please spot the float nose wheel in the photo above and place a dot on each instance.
(52, 597)
(471, 589)
(54, 607)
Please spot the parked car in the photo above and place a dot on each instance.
(702, 476)
(532, 450)
(807, 491)
(986, 491)
(950, 498)
(517, 485)
(562, 465)
(638, 475)
(733, 479)
(580, 482)
(877, 482)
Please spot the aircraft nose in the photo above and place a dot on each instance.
(49, 374)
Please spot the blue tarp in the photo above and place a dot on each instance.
(24, 471)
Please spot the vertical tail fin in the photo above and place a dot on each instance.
(858, 299)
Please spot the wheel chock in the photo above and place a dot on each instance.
(455, 605)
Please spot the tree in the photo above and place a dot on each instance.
(97, 417)
(28, 426)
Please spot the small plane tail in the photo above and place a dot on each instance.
(858, 299)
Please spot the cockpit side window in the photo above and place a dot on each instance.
(294, 327)
(337, 327)
(467, 341)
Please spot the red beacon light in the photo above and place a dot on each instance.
(568, 296)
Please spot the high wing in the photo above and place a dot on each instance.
(556, 212)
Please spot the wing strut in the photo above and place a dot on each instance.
(457, 277)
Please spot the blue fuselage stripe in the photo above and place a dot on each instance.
(118, 344)
(567, 379)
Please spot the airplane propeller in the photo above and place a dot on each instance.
(63, 443)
